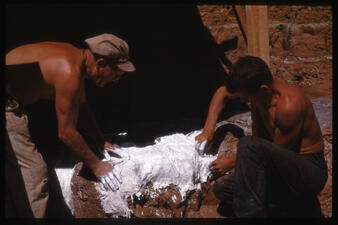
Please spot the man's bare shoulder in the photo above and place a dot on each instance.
(291, 105)
(62, 62)
(36, 52)
(57, 60)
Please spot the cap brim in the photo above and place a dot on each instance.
(127, 67)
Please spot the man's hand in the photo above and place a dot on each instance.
(222, 164)
(108, 176)
(204, 136)
(116, 151)
(201, 141)
(109, 145)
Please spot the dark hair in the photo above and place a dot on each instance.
(107, 60)
(248, 74)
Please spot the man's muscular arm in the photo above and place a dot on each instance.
(217, 103)
(67, 98)
(88, 124)
(289, 120)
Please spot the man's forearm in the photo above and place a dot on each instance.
(210, 123)
(215, 108)
(79, 148)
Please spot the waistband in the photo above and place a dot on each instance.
(310, 149)
(13, 105)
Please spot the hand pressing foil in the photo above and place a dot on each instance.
(200, 147)
(112, 180)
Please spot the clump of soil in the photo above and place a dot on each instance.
(163, 203)
(85, 197)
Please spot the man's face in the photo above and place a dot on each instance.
(107, 75)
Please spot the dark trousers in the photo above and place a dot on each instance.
(269, 179)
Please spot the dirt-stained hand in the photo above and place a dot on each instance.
(221, 165)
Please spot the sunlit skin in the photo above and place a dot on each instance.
(280, 113)
(64, 69)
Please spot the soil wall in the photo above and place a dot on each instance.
(300, 42)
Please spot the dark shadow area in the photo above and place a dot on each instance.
(225, 209)
(56, 207)
(220, 49)
(85, 172)
(44, 133)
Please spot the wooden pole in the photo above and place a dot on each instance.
(257, 31)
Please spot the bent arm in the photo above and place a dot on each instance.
(67, 107)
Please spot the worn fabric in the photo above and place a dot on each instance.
(16, 201)
(30, 161)
(268, 176)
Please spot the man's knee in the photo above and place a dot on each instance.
(223, 187)
(218, 190)
(248, 145)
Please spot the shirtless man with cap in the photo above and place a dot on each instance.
(63, 69)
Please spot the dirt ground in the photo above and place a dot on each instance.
(301, 53)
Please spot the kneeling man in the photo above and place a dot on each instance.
(282, 163)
